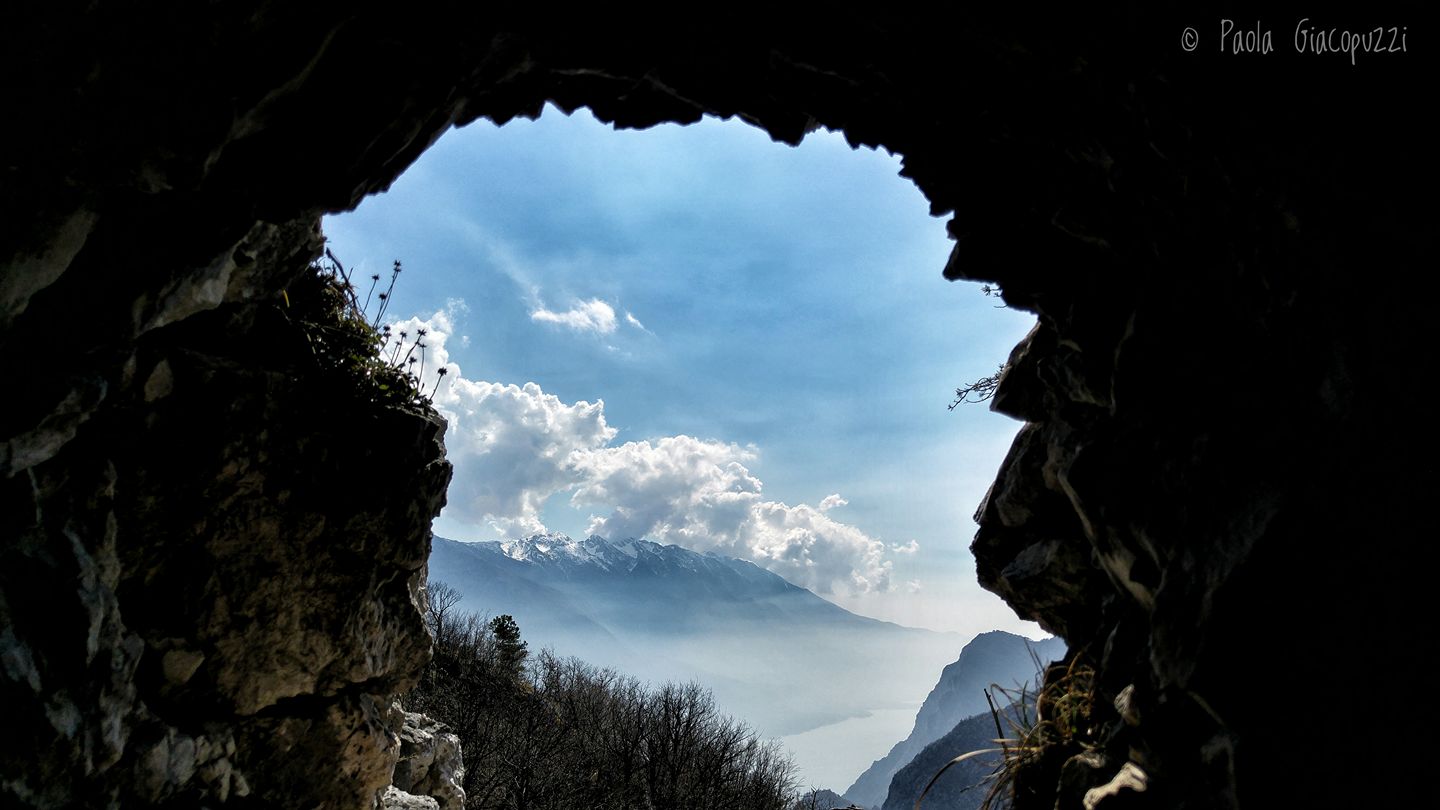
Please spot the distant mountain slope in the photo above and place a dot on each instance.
(995, 657)
(774, 653)
(699, 592)
(964, 785)
(821, 800)
(509, 587)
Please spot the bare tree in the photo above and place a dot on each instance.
(551, 733)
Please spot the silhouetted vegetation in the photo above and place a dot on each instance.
(983, 388)
(980, 390)
(353, 344)
(539, 731)
(818, 799)
(1036, 732)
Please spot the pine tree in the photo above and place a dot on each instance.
(512, 650)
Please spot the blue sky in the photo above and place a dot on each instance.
(719, 334)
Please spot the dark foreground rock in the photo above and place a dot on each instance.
(211, 588)
(209, 554)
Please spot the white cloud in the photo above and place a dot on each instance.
(456, 307)
(514, 447)
(585, 316)
(699, 494)
(807, 547)
(909, 548)
(431, 354)
(635, 322)
(678, 489)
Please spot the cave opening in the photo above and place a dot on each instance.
(1220, 400)
(751, 321)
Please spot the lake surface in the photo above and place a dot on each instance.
(834, 756)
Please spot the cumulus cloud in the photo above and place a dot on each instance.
(585, 316)
(807, 547)
(678, 489)
(909, 548)
(514, 447)
(700, 494)
(431, 334)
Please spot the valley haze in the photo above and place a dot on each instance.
(776, 655)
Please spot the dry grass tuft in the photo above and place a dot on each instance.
(1047, 726)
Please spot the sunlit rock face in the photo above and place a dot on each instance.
(209, 555)
(430, 765)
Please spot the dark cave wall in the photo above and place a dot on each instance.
(210, 588)
(1216, 499)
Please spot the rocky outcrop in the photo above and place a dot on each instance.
(430, 763)
(211, 562)
(393, 798)
(206, 546)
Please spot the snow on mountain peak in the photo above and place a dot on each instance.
(593, 550)
(536, 546)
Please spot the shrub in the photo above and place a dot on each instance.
(353, 345)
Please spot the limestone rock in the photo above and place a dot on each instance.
(430, 762)
(396, 799)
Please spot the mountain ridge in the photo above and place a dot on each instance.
(994, 657)
(600, 563)
(776, 655)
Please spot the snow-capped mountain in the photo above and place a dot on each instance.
(597, 557)
(635, 558)
(661, 588)
(775, 654)
(559, 549)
